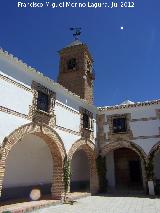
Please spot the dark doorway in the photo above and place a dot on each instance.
(135, 172)
(80, 172)
(128, 172)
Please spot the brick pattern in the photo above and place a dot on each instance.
(89, 148)
(77, 80)
(52, 140)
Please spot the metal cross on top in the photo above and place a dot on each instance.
(77, 32)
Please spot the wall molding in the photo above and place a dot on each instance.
(146, 137)
(144, 119)
(9, 80)
(13, 112)
(139, 119)
(27, 117)
(67, 130)
(134, 138)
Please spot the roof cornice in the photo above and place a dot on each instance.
(138, 104)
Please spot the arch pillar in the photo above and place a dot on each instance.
(89, 148)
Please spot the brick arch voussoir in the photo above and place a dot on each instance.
(50, 136)
(125, 144)
(87, 146)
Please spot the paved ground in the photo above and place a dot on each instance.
(26, 205)
(107, 204)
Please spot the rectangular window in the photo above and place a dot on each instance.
(85, 121)
(119, 125)
(43, 101)
(71, 64)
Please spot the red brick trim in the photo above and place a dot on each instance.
(124, 144)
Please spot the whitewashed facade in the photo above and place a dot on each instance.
(16, 101)
(27, 161)
(142, 134)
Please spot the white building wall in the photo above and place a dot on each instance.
(15, 98)
(67, 118)
(19, 100)
(29, 163)
(8, 123)
(140, 128)
(143, 112)
(146, 144)
(136, 112)
(67, 138)
(145, 128)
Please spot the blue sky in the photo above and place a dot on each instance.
(127, 62)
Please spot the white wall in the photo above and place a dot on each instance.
(136, 112)
(29, 162)
(146, 144)
(149, 128)
(145, 128)
(143, 112)
(8, 123)
(19, 100)
(67, 119)
(67, 138)
(14, 97)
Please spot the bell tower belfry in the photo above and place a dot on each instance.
(76, 69)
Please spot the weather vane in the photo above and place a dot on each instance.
(77, 32)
